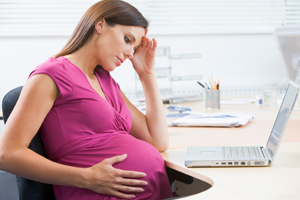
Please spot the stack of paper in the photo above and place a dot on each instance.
(220, 119)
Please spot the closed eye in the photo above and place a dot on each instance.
(134, 50)
(126, 39)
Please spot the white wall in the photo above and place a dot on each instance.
(237, 60)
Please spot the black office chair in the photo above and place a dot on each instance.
(28, 189)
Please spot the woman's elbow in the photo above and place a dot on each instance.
(3, 157)
(163, 146)
(6, 155)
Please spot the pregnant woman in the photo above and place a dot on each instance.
(99, 145)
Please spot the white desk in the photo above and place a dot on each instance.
(281, 180)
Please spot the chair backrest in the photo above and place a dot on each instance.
(28, 189)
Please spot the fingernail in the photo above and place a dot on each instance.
(145, 183)
(132, 196)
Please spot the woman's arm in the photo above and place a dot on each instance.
(37, 98)
(151, 127)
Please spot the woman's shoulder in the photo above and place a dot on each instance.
(51, 65)
(57, 71)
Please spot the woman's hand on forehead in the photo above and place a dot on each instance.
(143, 60)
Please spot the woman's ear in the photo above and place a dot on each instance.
(99, 26)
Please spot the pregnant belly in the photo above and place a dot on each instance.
(141, 156)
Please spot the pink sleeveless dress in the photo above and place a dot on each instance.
(82, 129)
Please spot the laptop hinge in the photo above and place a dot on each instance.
(266, 154)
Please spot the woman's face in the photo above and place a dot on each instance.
(115, 44)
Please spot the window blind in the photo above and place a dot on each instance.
(292, 12)
(214, 16)
(40, 18)
(59, 17)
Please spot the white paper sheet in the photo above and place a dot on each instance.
(220, 119)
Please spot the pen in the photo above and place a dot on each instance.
(173, 108)
(201, 84)
(210, 84)
(207, 86)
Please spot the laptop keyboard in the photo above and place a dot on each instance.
(242, 152)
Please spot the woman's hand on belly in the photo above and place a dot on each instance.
(103, 178)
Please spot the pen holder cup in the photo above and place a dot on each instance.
(212, 99)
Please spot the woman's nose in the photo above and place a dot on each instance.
(129, 54)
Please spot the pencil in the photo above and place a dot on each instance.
(213, 83)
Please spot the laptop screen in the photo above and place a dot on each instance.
(282, 118)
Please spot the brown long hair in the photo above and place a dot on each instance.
(113, 11)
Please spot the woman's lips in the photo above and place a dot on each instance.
(120, 61)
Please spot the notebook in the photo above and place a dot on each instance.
(228, 156)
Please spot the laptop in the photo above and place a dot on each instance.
(229, 156)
